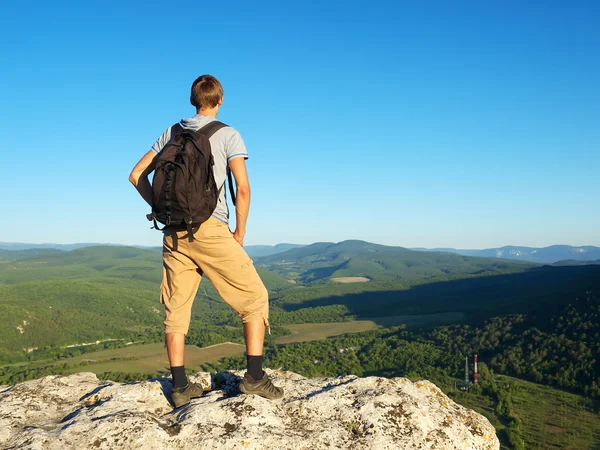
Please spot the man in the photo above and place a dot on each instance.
(214, 252)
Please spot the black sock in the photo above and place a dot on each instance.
(179, 377)
(255, 367)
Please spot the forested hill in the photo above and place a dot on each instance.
(14, 255)
(573, 262)
(67, 297)
(93, 262)
(321, 261)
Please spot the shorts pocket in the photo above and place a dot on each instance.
(214, 228)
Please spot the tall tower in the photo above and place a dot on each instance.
(466, 373)
(475, 372)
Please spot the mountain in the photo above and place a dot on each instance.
(256, 251)
(544, 255)
(349, 261)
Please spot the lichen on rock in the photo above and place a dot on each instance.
(79, 411)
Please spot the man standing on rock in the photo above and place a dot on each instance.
(212, 251)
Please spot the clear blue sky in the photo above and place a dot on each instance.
(456, 124)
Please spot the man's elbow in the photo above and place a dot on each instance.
(243, 190)
(134, 178)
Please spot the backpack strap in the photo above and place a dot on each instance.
(211, 128)
(231, 191)
(208, 130)
(176, 129)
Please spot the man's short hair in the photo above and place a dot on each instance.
(207, 92)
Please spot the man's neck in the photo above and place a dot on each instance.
(209, 112)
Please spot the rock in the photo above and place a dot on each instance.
(81, 412)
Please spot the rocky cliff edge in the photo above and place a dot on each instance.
(81, 412)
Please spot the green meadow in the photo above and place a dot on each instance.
(315, 331)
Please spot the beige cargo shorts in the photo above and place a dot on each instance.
(217, 255)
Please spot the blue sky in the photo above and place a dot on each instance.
(434, 124)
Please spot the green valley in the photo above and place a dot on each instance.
(396, 312)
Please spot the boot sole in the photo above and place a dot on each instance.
(180, 402)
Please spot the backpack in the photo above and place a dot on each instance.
(184, 192)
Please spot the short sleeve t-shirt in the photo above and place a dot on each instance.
(226, 144)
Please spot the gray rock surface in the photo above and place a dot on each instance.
(82, 412)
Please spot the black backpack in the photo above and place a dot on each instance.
(184, 192)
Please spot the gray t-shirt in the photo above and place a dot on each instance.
(226, 144)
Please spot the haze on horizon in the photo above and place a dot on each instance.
(468, 126)
(24, 245)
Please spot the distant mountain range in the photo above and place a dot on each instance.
(14, 246)
(25, 246)
(544, 255)
(253, 251)
(555, 254)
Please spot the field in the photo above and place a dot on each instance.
(350, 279)
(152, 358)
(147, 358)
(314, 331)
(551, 419)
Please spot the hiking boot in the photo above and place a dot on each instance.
(182, 396)
(262, 387)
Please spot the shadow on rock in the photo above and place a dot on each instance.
(227, 382)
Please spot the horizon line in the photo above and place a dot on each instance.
(108, 244)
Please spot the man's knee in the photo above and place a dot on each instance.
(171, 338)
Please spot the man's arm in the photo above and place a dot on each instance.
(242, 201)
(139, 176)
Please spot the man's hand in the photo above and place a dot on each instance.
(239, 237)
